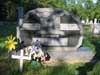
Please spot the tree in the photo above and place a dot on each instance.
(8, 8)
(97, 10)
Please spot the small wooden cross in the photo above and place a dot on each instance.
(21, 57)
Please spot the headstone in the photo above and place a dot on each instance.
(58, 31)
(96, 29)
(95, 21)
(54, 27)
(87, 20)
(83, 22)
(91, 22)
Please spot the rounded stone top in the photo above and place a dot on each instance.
(44, 10)
(50, 13)
(55, 27)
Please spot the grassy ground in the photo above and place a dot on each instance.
(10, 67)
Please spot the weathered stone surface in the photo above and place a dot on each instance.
(69, 27)
(30, 26)
(23, 35)
(59, 41)
(72, 57)
(55, 27)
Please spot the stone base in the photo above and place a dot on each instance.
(71, 57)
(50, 49)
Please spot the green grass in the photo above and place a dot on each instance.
(9, 66)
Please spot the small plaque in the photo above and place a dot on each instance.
(69, 27)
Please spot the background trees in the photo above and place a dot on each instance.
(82, 8)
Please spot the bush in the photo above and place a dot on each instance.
(96, 70)
(87, 38)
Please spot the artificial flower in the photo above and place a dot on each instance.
(10, 43)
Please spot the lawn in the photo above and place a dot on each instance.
(9, 66)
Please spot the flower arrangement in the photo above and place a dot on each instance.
(34, 51)
(38, 55)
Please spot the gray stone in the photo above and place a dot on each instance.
(30, 26)
(58, 31)
(64, 56)
(51, 24)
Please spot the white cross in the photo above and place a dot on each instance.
(21, 57)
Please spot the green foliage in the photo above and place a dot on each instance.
(96, 70)
(6, 29)
(87, 43)
(9, 10)
(2, 44)
(10, 67)
(87, 38)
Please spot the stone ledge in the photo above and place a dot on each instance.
(71, 57)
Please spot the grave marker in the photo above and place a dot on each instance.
(21, 58)
(57, 30)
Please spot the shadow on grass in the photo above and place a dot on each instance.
(7, 29)
(62, 69)
(89, 67)
(8, 67)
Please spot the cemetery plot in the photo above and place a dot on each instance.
(50, 33)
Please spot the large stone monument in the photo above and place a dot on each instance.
(53, 27)
(57, 30)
